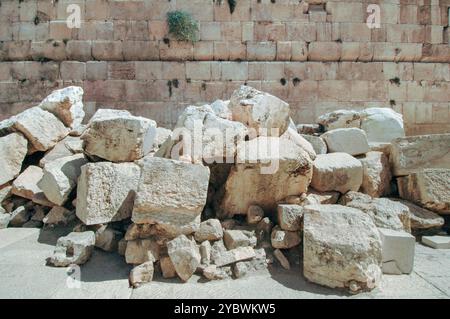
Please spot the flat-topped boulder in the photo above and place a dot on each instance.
(106, 192)
(13, 149)
(66, 104)
(260, 111)
(118, 136)
(341, 248)
(337, 172)
(346, 140)
(414, 153)
(170, 191)
(430, 188)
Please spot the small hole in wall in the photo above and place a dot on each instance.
(296, 81)
(283, 81)
(392, 103)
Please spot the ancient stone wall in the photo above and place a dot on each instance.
(317, 55)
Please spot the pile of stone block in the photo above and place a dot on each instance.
(234, 189)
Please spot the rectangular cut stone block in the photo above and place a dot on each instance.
(437, 242)
(413, 153)
(170, 191)
(397, 250)
(106, 192)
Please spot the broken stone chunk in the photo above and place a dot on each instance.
(106, 192)
(337, 172)
(397, 248)
(19, 216)
(212, 272)
(141, 274)
(318, 144)
(284, 262)
(118, 136)
(352, 141)
(422, 218)
(60, 177)
(376, 174)
(382, 124)
(205, 252)
(254, 214)
(237, 238)
(42, 129)
(290, 217)
(234, 255)
(170, 191)
(167, 267)
(75, 248)
(4, 220)
(341, 248)
(283, 239)
(26, 184)
(210, 229)
(340, 119)
(107, 238)
(142, 250)
(66, 104)
(437, 242)
(59, 216)
(13, 149)
(66, 147)
(184, 255)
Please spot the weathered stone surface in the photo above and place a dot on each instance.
(122, 247)
(60, 177)
(106, 192)
(19, 216)
(66, 147)
(234, 238)
(210, 229)
(254, 214)
(376, 174)
(292, 135)
(4, 220)
(222, 110)
(397, 250)
(341, 248)
(217, 248)
(340, 119)
(268, 170)
(13, 149)
(383, 147)
(259, 111)
(337, 172)
(141, 274)
(59, 216)
(413, 153)
(437, 242)
(284, 262)
(384, 212)
(264, 231)
(66, 104)
(75, 248)
(26, 184)
(212, 272)
(42, 129)
(107, 238)
(5, 192)
(352, 141)
(429, 188)
(318, 144)
(205, 252)
(382, 124)
(309, 129)
(422, 218)
(290, 217)
(184, 255)
(170, 191)
(258, 263)
(167, 267)
(6, 126)
(283, 239)
(234, 255)
(142, 250)
(162, 134)
(315, 197)
(118, 136)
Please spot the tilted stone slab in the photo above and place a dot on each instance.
(13, 149)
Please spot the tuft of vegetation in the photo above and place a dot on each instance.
(182, 26)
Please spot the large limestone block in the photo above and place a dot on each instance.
(340, 119)
(291, 134)
(201, 135)
(170, 191)
(259, 111)
(412, 154)
(184, 255)
(397, 250)
(66, 104)
(341, 248)
(268, 170)
(42, 129)
(376, 174)
(75, 248)
(13, 149)
(318, 144)
(118, 136)
(382, 124)
(352, 141)
(68, 146)
(422, 218)
(337, 172)
(429, 188)
(60, 177)
(384, 212)
(106, 192)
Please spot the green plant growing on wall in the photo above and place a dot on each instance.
(182, 26)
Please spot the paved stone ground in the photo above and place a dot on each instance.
(23, 274)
